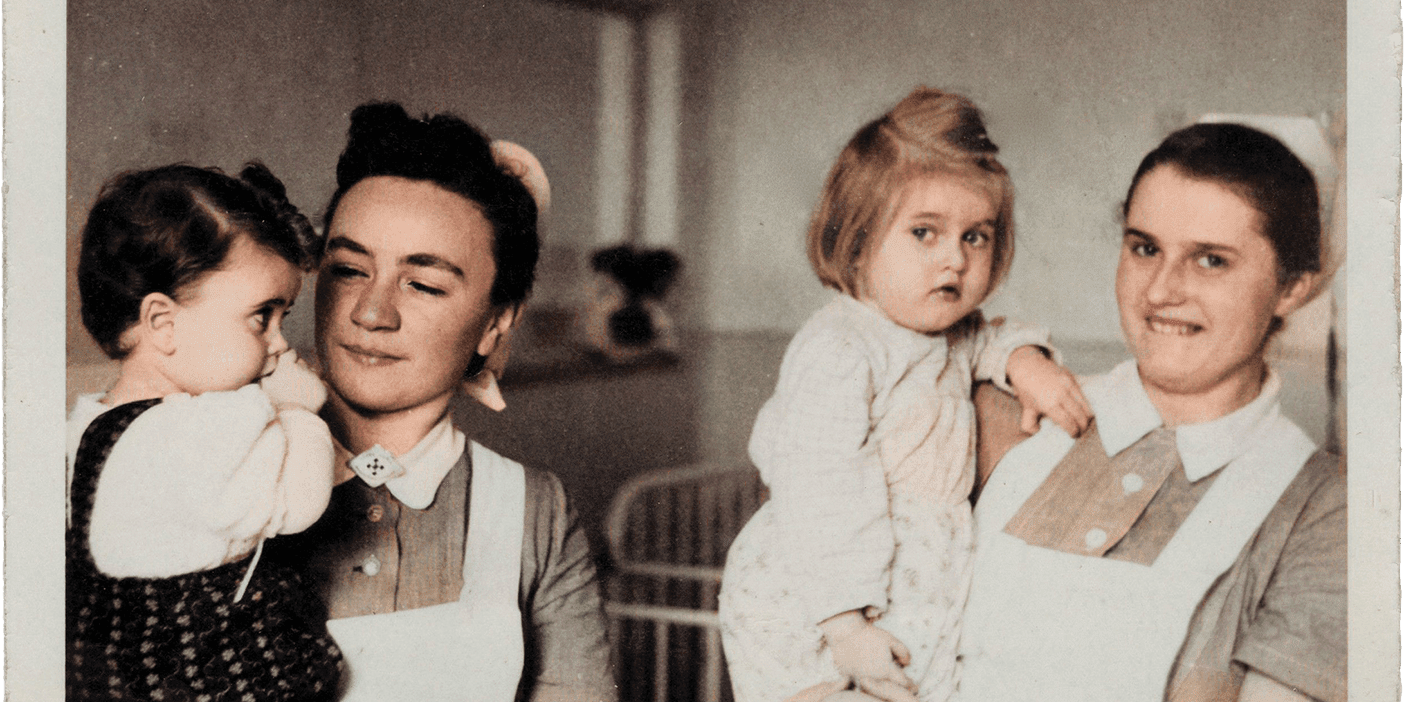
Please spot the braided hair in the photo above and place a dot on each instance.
(164, 229)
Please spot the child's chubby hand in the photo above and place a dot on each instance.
(870, 656)
(1046, 389)
(293, 383)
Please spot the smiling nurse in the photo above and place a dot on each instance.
(403, 305)
(1190, 545)
(1198, 292)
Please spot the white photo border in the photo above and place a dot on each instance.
(34, 53)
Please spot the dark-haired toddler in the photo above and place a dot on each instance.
(207, 444)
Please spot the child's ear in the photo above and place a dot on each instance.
(157, 322)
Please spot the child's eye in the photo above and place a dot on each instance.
(975, 237)
(426, 289)
(921, 233)
(260, 320)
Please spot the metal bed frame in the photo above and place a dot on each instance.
(668, 533)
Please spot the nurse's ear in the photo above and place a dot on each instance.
(156, 323)
(493, 349)
(1297, 292)
(497, 338)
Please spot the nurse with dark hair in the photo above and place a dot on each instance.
(1191, 544)
(447, 570)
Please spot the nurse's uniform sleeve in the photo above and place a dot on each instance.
(998, 338)
(828, 491)
(1298, 633)
(567, 645)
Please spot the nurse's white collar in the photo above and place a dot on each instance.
(1125, 414)
(425, 465)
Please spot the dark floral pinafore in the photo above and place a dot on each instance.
(184, 638)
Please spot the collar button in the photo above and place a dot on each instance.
(370, 565)
(1132, 483)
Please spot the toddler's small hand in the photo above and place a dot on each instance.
(1045, 388)
(872, 657)
(884, 689)
(293, 383)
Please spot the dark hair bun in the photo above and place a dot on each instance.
(384, 140)
(379, 132)
(383, 135)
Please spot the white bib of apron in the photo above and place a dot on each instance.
(1047, 625)
(466, 650)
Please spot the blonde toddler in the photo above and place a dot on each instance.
(851, 579)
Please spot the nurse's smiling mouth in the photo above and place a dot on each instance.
(1169, 325)
(369, 357)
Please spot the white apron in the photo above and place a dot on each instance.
(1047, 625)
(466, 650)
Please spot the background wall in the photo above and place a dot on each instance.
(1075, 92)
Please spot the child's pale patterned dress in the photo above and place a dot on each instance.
(868, 448)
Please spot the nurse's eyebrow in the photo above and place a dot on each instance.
(422, 260)
(342, 243)
(1203, 246)
(1198, 246)
(431, 261)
